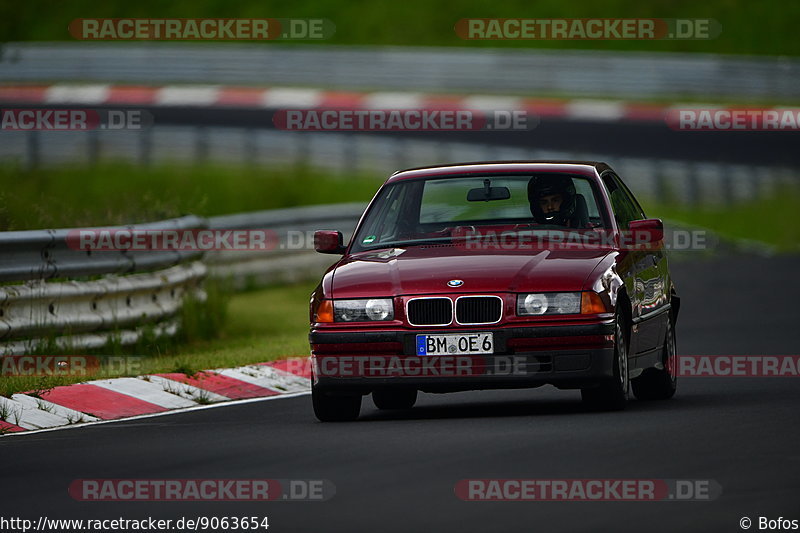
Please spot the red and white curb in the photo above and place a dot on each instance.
(119, 398)
(306, 98)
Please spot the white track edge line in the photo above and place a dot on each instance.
(153, 415)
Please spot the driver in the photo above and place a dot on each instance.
(552, 200)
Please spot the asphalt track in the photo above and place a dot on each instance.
(625, 138)
(396, 472)
(644, 139)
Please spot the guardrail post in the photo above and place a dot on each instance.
(765, 182)
(695, 191)
(401, 149)
(250, 147)
(350, 155)
(34, 152)
(92, 147)
(302, 152)
(200, 145)
(145, 147)
(728, 185)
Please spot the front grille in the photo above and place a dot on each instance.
(430, 311)
(478, 309)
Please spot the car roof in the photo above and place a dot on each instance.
(582, 168)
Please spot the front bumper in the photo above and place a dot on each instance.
(567, 356)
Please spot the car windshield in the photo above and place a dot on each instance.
(437, 210)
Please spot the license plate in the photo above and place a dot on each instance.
(455, 344)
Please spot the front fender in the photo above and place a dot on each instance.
(606, 280)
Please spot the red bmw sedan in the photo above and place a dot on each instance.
(495, 275)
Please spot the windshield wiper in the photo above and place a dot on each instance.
(405, 244)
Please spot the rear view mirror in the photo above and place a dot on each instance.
(488, 193)
(328, 242)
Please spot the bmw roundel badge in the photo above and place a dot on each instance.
(455, 283)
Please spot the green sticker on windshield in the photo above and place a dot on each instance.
(369, 240)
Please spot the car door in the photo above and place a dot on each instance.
(645, 284)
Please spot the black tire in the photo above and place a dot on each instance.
(659, 384)
(335, 408)
(394, 399)
(612, 395)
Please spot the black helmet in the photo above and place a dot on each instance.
(539, 186)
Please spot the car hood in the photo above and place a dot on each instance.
(427, 269)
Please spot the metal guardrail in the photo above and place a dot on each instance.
(345, 154)
(137, 289)
(142, 293)
(629, 75)
(294, 258)
(45, 254)
(88, 314)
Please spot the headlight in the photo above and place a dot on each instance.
(549, 303)
(363, 310)
(532, 304)
(379, 310)
(566, 303)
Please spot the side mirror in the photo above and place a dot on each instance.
(644, 234)
(328, 242)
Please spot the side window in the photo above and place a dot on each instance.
(623, 205)
(386, 224)
(637, 207)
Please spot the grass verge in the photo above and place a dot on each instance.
(118, 193)
(115, 193)
(770, 220)
(766, 27)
